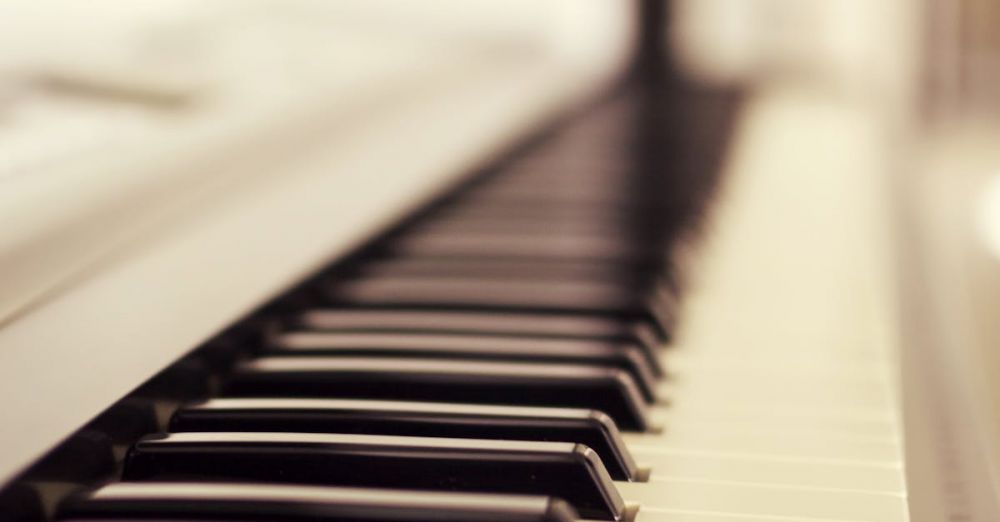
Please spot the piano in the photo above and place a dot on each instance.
(489, 261)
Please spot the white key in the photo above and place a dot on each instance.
(763, 500)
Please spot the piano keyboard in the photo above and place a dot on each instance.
(511, 354)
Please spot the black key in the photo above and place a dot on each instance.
(628, 357)
(527, 210)
(610, 390)
(513, 269)
(421, 419)
(487, 224)
(280, 503)
(519, 246)
(570, 471)
(588, 298)
(530, 192)
(509, 323)
(648, 275)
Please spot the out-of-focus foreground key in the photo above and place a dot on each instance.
(566, 470)
(610, 390)
(424, 419)
(199, 501)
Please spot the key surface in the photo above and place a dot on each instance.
(591, 298)
(565, 470)
(628, 357)
(642, 273)
(485, 224)
(247, 501)
(470, 421)
(510, 323)
(610, 390)
(519, 245)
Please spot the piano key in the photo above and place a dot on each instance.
(569, 326)
(732, 465)
(571, 163)
(620, 212)
(628, 357)
(520, 191)
(660, 498)
(644, 276)
(519, 245)
(610, 390)
(645, 273)
(601, 299)
(487, 224)
(279, 503)
(463, 208)
(570, 471)
(470, 421)
(787, 443)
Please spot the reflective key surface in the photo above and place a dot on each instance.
(570, 471)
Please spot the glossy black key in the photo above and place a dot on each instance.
(424, 419)
(587, 298)
(628, 357)
(610, 390)
(519, 246)
(508, 209)
(512, 269)
(508, 323)
(570, 471)
(486, 224)
(279, 503)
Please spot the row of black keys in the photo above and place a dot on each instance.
(520, 324)
(567, 449)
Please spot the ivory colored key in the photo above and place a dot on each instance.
(661, 497)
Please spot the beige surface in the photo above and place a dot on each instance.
(116, 115)
(782, 396)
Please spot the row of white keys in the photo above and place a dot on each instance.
(753, 455)
(780, 404)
